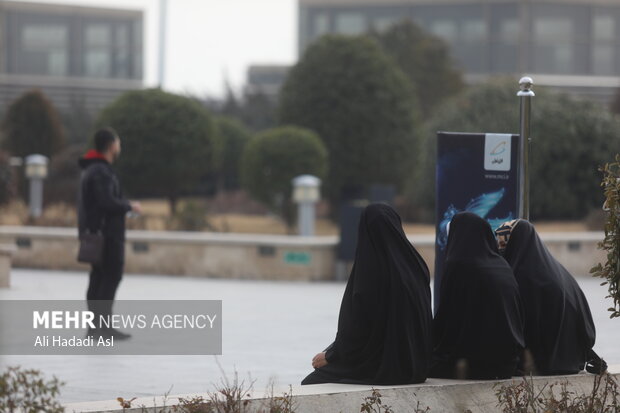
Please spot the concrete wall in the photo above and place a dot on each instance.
(271, 257)
(447, 396)
(252, 256)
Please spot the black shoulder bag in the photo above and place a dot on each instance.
(91, 247)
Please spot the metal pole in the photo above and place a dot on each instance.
(163, 13)
(36, 197)
(525, 94)
(306, 215)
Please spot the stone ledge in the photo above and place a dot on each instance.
(438, 394)
(247, 256)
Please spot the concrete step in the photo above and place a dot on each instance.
(439, 395)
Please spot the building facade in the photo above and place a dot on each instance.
(80, 57)
(266, 80)
(563, 43)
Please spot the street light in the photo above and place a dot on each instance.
(306, 193)
(36, 172)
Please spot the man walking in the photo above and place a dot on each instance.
(102, 210)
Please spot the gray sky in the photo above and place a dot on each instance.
(211, 40)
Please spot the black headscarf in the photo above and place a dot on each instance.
(478, 326)
(384, 327)
(559, 331)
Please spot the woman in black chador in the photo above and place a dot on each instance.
(559, 331)
(478, 328)
(384, 327)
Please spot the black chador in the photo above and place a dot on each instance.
(478, 328)
(384, 327)
(559, 331)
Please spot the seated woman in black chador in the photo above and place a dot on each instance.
(478, 328)
(384, 327)
(559, 331)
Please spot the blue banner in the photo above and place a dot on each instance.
(478, 173)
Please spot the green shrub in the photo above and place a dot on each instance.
(362, 106)
(168, 142)
(232, 138)
(610, 270)
(31, 125)
(425, 59)
(273, 158)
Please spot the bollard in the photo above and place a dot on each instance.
(306, 193)
(36, 172)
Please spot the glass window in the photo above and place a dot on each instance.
(44, 50)
(554, 59)
(553, 29)
(321, 24)
(603, 60)
(554, 46)
(137, 50)
(98, 35)
(384, 23)
(446, 29)
(603, 45)
(473, 31)
(350, 23)
(122, 60)
(604, 28)
(97, 50)
(509, 31)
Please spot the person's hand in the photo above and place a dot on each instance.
(319, 361)
(136, 207)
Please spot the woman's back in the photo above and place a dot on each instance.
(559, 330)
(384, 326)
(478, 326)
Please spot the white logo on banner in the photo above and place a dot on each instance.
(497, 152)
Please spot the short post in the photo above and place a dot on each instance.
(525, 95)
(306, 193)
(36, 172)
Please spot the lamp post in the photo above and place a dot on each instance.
(525, 94)
(36, 172)
(306, 193)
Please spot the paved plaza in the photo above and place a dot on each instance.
(271, 330)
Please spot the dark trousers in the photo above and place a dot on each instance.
(105, 278)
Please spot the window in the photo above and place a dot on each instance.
(603, 57)
(505, 49)
(603, 45)
(350, 23)
(97, 50)
(384, 23)
(552, 30)
(554, 50)
(137, 50)
(509, 31)
(473, 31)
(122, 59)
(43, 50)
(321, 24)
(446, 29)
(603, 28)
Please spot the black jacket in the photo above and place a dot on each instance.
(101, 205)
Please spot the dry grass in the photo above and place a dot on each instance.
(157, 217)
